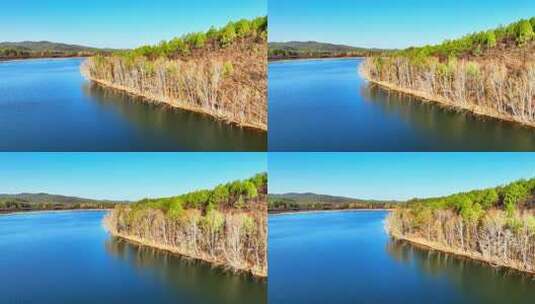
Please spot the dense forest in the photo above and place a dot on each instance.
(495, 225)
(221, 72)
(225, 226)
(490, 73)
(313, 49)
(292, 202)
(44, 201)
(45, 49)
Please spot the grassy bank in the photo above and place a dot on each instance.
(221, 72)
(225, 226)
(494, 225)
(490, 73)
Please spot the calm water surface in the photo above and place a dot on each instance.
(68, 258)
(346, 257)
(324, 105)
(46, 105)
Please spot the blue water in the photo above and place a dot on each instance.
(46, 105)
(67, 257)
(346, 257)
(324, 105)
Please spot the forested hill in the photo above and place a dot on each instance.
(313, 49)
(45, 201)
(312, 201)
(37, 49)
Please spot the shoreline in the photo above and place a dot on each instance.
(40, 58)
(313, 58)
(173, 250)
(276, 213)
(171, 104)
(51, 211)
(428, 245)
(475, 110)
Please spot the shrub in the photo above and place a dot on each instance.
(525, 32)
(228, 35)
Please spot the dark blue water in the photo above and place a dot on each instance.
(324, 105)
(46, 105)
(346, 257)
(68, 258)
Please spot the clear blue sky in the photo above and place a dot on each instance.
(118, 23)
(122, 175)
(396, 176)
(389, 23)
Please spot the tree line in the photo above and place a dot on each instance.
(213, 39)
(515, 34)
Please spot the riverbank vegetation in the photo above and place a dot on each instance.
(495, 225)
(44, 202)
(313, 49)
(221, 72)
(490, 73)
(295, 202)
(225, 226)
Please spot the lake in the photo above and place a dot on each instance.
(47, 105)
(346, 257)
(67, 257)
(324, 105)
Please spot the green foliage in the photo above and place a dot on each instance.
(250, 190)
(227, 35)
(519, 32)
(490, 39)
(525, 32)
(472, 205)
(176, 208)
(243, 28)
(183, 46)
(235, 194)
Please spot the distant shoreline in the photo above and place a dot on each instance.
(39, 58)
(3, 213)
(313, 58)
(289, 212)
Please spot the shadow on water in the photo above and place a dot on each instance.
(190, 280)
(479, 282)
(448, 129)
(175, 129)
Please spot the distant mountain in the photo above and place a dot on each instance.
(313, 201)
(41, 46)
(300, 49)
(314, 46)
(52, 198)
(45, 201)
(45, 49)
